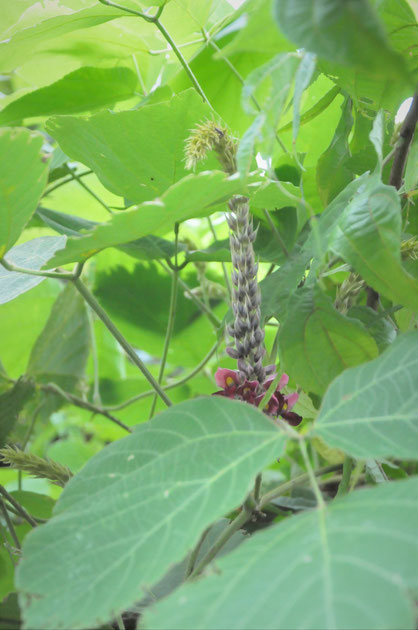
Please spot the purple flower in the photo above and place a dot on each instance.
(234, 385)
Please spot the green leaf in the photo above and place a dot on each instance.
(371, 410)
(27, 41)
(61, 350)
(381, 328)
(245, 152)
(193, 196)
(146, 248)
(6, 576)
(30, 255)
(83, 90)
(315, 110)
(346, 33)
(333, 174)
(38, 505)
(367, 236)
(316, 342)
(11, 404)
(303, 78)
(22, 180)
(172, 477)
(349, 565)
(137, 154)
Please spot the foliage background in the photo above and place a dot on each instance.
(96, 107)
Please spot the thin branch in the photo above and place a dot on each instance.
(345, 480)
(181, 381)
(94, 304)
(296, 481)
(171, 316)
(10, 525)
(224, 269)
(88, 189)
(23, 513)
(276, 233)
(65, 181)
(32, 272)
(52, 388)
(315, 487)
(406, 135)
(194, 553)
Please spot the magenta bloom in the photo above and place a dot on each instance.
(235, 386)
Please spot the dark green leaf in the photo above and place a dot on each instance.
(371, 410)
(347, 33)
(12, 403)
(61, 350)
(367, 236)
(350, 565)
(172, 477)
(380, 327)
(317, 343)
(30, 255)
(22, 179)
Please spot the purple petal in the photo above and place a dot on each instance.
(283, 381)
(291, 400)
(291, 417)
(225, 378)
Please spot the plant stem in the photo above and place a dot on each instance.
(10, 525)
(183, 62)
(194, 553)
(276, 233)
(296, 481)
(32, 272)
(405, 138)
(275, 347)
(26, 439)
(224, 269)
(88, 189)
(52, 388)
(7, 546)
(181, 381)
(242, 518)
(171, 316)
(315, 487)
(245, 515)
(63, 182)
(211, 316)
(269, 393)
(94, 304)
(257, 488)
(24, 514)
(345, 481)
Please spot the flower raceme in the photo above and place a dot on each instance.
(234, 385)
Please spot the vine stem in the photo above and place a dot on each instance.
(246, 513)
(91, 192)
(102, 315)
(315, 487)
(32, 272)
(194, 553)
(63, 182)
(10, 525)
(345, 481)
(406, 135)
(181, 381)
(171, 316)
(155, 20)
(52, 388)
(23, 513)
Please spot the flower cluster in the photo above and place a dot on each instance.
(206, 137)
(235, 386)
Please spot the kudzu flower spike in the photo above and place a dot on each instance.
(209, 136)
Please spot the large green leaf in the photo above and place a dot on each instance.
(61, 350)
(371, 410)
(137, 154)
(347, 33)
(30, 255)
(193, 196)
(349, 565)
(333, 173)
(83, 90)
(22, 179)
(15, 51)
(138, 506)
(367, 236)
(317, 343)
